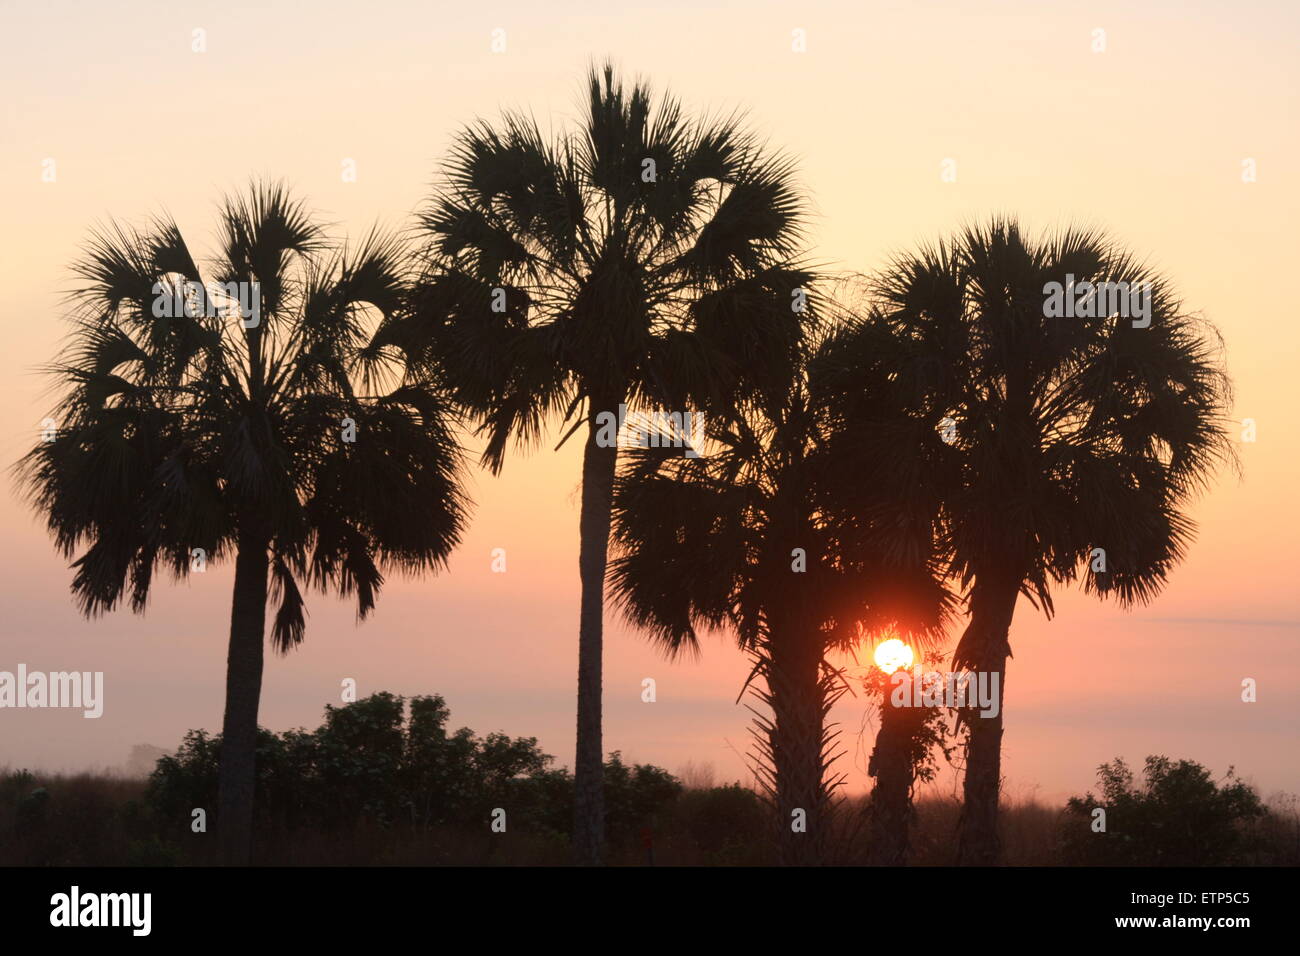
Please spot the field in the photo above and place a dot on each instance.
(104, 820)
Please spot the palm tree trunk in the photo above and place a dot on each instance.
(796, 736)
(598, 467)
(984, 648)
(237, 773)
(891, 765)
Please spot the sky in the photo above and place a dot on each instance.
(1145, 129)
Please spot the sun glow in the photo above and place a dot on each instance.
(892, 654)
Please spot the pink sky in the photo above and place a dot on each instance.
(1145, 139)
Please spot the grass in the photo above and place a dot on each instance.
(95, 819)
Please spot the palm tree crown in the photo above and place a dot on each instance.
(644, 257)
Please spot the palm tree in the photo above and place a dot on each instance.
(643, 259)
(763, 537)
(246, 419)
(903, 754)
(879, 431)
(1063, 447)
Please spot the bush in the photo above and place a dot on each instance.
(1178, 817)
(727, 825)
(636, 798)
(372, 764)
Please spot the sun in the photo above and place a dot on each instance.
(892, 654)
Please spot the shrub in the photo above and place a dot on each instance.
(728, 825)
(636, 797)
(1178, 817)
(378, 763)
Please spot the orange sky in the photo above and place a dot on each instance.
(1145, 139)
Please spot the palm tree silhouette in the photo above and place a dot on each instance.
(769, 536)
(1062, 447)
(644, 258)
(203, 421)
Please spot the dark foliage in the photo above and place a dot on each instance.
(1178, 816)
(379, 762)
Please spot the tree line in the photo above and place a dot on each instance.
(884, 453)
